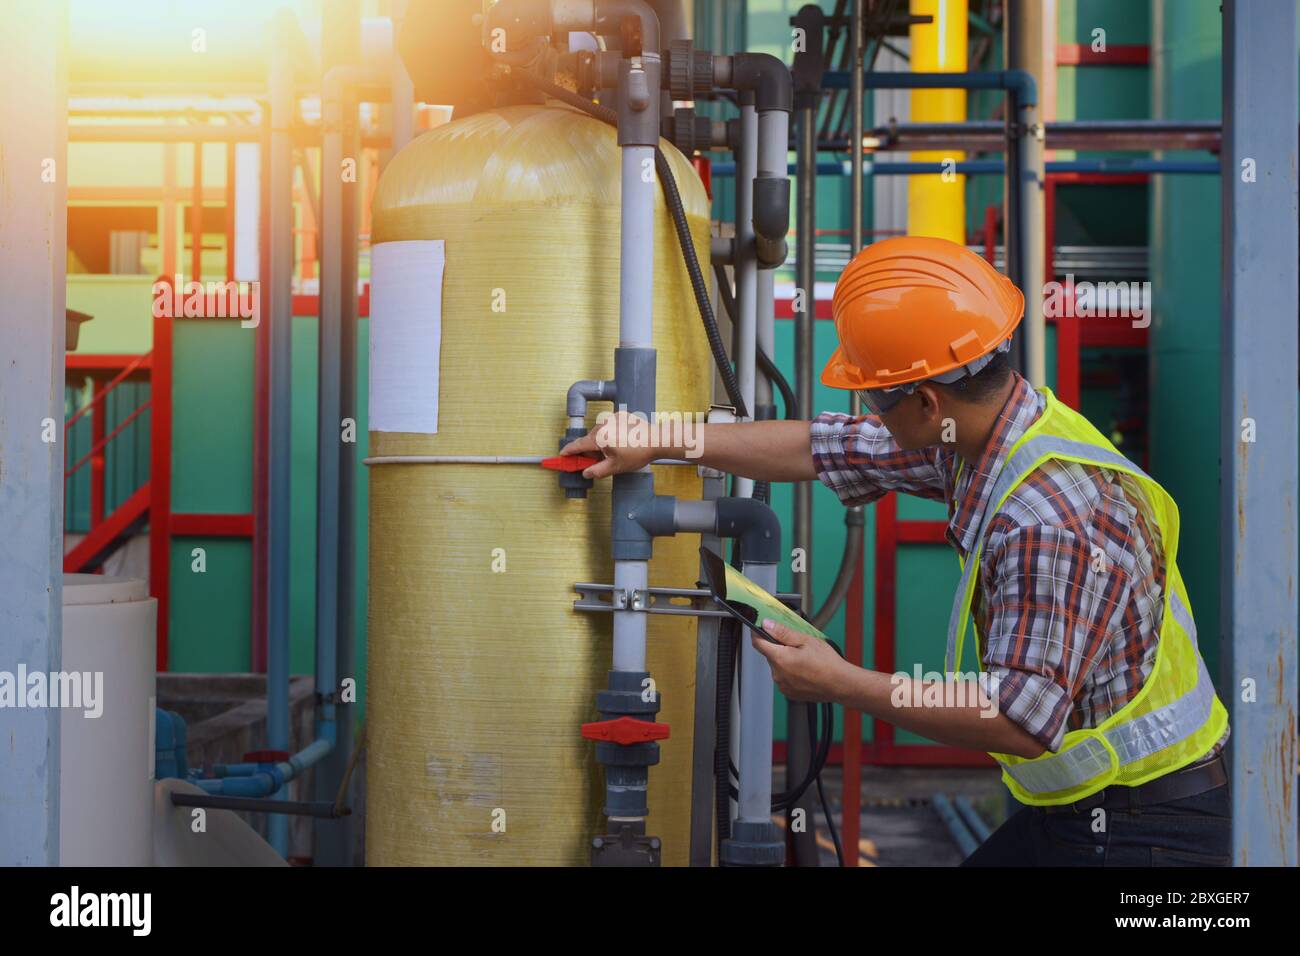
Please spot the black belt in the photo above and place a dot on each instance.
(1172, 786)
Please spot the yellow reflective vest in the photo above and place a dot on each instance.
(1176, 716)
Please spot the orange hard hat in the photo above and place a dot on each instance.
(916, 307)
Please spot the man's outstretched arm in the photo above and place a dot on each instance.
(764, 451)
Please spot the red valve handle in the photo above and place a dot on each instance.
(569, 462)
(625, 730)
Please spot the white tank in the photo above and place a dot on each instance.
(107, 761)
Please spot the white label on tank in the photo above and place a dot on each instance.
(405, 335)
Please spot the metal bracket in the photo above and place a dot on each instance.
(682, 602)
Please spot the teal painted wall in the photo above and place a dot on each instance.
(1185, 253)
(212, 474)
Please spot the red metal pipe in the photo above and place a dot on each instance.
(852, 788)
(160, 479)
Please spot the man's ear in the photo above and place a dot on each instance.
(931, 402)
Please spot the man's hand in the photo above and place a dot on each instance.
(804, 668)
(622, 438)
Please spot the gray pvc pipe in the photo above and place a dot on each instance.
(279, 430)
(773, 143)
(630, 626)
(756, 707)
(765, 332)
(636, 248)
(329, 390)
(746, 268)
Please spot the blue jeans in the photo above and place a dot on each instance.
(1193, 831)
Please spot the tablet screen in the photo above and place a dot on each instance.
(753, 604)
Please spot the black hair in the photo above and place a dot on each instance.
(984, 384)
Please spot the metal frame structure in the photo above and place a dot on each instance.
(1258, 423)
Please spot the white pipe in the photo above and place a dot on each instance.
(756, 709)
(629, 625)
(746, 268)
(636, 248)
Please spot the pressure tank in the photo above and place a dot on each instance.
(495, 280)
(107, 708)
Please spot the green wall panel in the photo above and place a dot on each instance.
(1185, 288)
(210, 611)
(212, 417)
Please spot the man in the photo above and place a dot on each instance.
(1104, 720)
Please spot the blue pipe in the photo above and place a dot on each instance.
(1020, 83)
(982, 167)
(265, 779)
(962, 836)
(978, 828)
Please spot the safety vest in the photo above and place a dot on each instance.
(1176, 716)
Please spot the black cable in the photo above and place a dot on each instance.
(830, 822)
(727, 632)
(673, 199)
(783, 386)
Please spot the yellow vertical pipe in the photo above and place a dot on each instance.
(936, 203)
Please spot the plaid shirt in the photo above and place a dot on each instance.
(1071, 578)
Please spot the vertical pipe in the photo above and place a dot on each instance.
(230, 211)
(262, 403)
(328, 401)
(402, 94)
(852, 786)
(33, 234)
(636, 303)
(160, 480)
(280, 279)
(338, 280)
(705, 724)
(756, 705)
(806, 265)
(746, 266)
(636, 248)
(797, 749)
(1258, 424)
(936, 203)
(168, 242)
(196, 215)
(336, 840)
(773, 154)
(1024, 29)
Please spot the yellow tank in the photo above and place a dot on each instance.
(480, 671)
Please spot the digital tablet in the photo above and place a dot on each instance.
(747, 602)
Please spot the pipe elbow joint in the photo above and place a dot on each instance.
(767, 77)
(752, 523)
(610, 13)
(1023, 85)
(771, 219)
(657, 516)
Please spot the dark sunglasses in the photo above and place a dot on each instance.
(880, 400)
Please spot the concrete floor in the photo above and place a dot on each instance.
(899, 827)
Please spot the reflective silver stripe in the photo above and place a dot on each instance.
(1132, 741)
(1183, 617)
(1012, 472)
